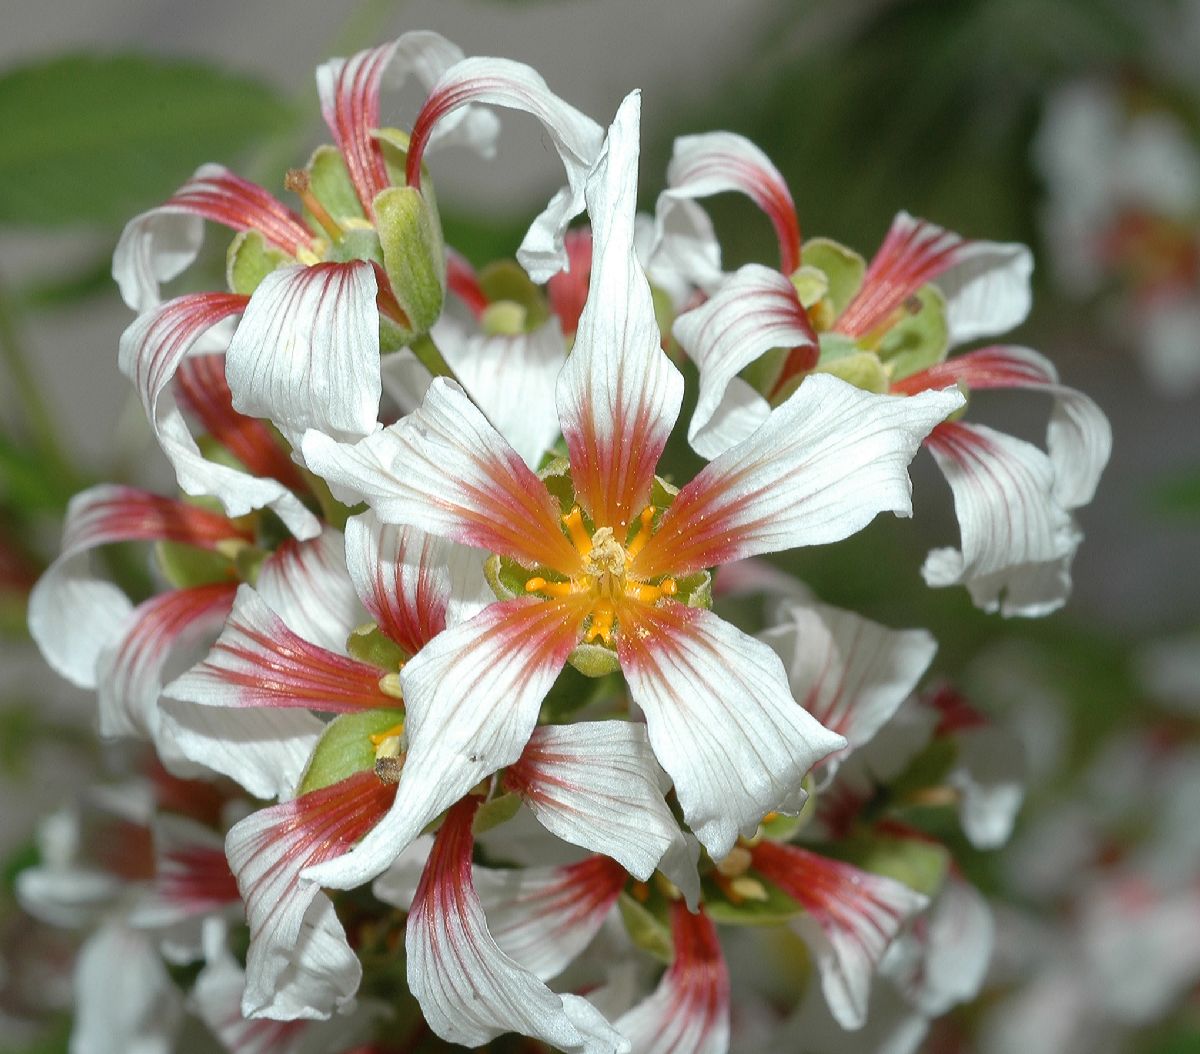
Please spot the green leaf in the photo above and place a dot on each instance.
(94, 140)
(345, 748)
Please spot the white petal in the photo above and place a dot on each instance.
(444, 469)
(822, 466)
(987, 289)
(596, 784)
(472, 697)
(124, 999)
(849, 673)
(266, 751)
(702, 165)
(756, 309)
(153, 348)
(306, 354)
(688, 1013)
(543, 918)
(989, 773)
(721, 719)
(1017, 539)
(679, 249)
(618, 395)
(576, 137)
(511, 379)
(308, 586)
(191, 875)
(469, 990)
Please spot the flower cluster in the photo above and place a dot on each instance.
(442, 704)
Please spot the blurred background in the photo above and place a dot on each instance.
(1072, 126)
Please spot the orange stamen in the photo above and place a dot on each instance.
(553, 589)
(573, 521)
(651, 594)
(603, 617)
(297, 182)
(643, 532)
(377, 738)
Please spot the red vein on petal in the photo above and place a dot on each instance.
(567, 291)
(995, 367)
(223, 197)
(125, 514)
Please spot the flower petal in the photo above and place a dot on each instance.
(469, 990)
(576, 137)
(306, 354)
(269, 850)
(853, 916)
(1017, 541)
(545, 917)
(129, 673)
(191, 875)
(1079, 439)
(702, 165)
(349, 91)
(679, 250)
(153, 355)
(849, 673)
(618, 395)
(266, 751)
(445, 470)
(74, 616)
(756, 309)
(472, 697)
(308, 586)
(822, 466)
(596, 784)
(258, 661)
(721, 719)
(689, 1010)
(159, 244)
(989, 774)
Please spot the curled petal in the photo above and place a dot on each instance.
(679, 250)
(720, 717)
(445, 470)
(159, 244)
(269, 850)
(707, 164)
(618, 395)
(1017, 541)
(689, 1011)
(129, 674)
(349, 90)
(306, 354)
(596, 784)
(756, 309)
(154, 355)
(576, 137)
(821, 467)
(1079, 439)
(544, 917)
(852, 917)
(258, 661)
(74, 616)
(849, 673)
(472, 697)
(469, 990)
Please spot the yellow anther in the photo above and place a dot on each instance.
(297, 182)
(747, 888)
(603, 617)
(379, 738)
(607, 555)
(389, 684)
(573, 521)
(737, 862)
(231, 547)
(643, 532)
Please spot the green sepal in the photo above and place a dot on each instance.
(843, 267)
(862, 369)
(917, 864)
(776, 909)
(248, 562)
(329, 180)
(506, 577)
(414, 258)
(920, 339)
(345, 748)
(357, 243)
(664, 310)
(184, 566)
(646, 929)
(507, 280)
(556, 474)
(504, 318)
(594, 660)
(248, 260)
(662, 495)
(695, 590)
(495, 812)
(763, 373)
(811, 285)
(371, 645)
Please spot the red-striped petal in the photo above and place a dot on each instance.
(567, 291)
